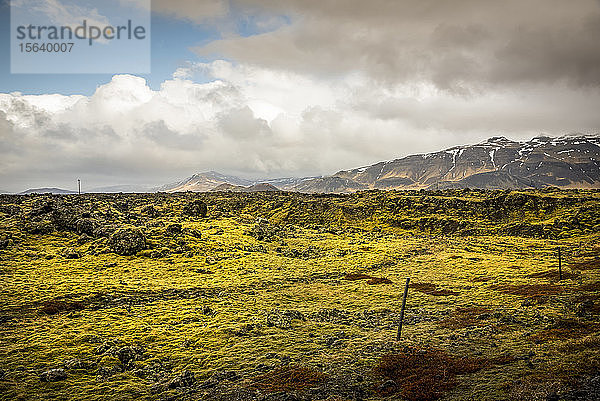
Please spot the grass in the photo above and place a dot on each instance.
(427, 374)
(466, 317)
(288, 378)
(295, 307)
(566, 328)
(370, 279)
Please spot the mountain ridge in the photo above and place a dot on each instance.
(569, 161)
(497, 163)
(53, 191)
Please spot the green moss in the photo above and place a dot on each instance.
(199, 300)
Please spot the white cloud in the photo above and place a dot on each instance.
(257, 122)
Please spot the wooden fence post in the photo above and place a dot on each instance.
(403, 306)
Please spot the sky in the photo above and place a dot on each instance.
(279, 88)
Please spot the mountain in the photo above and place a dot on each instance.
(260, 187)
(211, 180)
(286, 184)
(53, 191)
(122, 188)
(498, 163)
(203, 182)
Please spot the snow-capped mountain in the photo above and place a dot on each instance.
(498, 163)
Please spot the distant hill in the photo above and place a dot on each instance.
(54, 191)
(211, 180)
(203, 182)
(261, 187)
(123, 189)
(498, 163)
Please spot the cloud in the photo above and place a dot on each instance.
(61, 13)
(461, 46)
(196, 11)
(257, 122)
(303, 87)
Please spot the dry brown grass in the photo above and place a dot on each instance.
(595, 286)
(581, 344)
(371, 280)
(553, 275)
(465, 317)
(431, 289)
(379, 280)
(586, 264)
(54, 306)
(288, 378)
(426, 374)
(565, 329)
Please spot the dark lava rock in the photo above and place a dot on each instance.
(11, 210)
(587, 307)
(219, 377)
(53, 375)
(45, 208)
(263, 231)
(129, 354)
(208, 311)
(194, 233)
(40, 227)
(173, 229)
(4, 243)
(77, 363)
(246, 329)
(588, 390)
(336, 340)
(196, 208)
(222, 375)
(127, 241)
(6, 319)
(203, 271)
(150, 211)
(70, 253)
(210, 383)
(86, 226)
(185, 379)
(65, 216)
(552, 397)
(83, 239)
(336, 316)
(282, 319)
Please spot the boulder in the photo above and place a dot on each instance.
(127, 241)
(196, 208)
(53, 375)
(86, 226)
(173, 229)
(70, 253)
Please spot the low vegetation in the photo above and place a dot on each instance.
(285, 296)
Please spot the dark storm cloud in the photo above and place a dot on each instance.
(453, 44)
